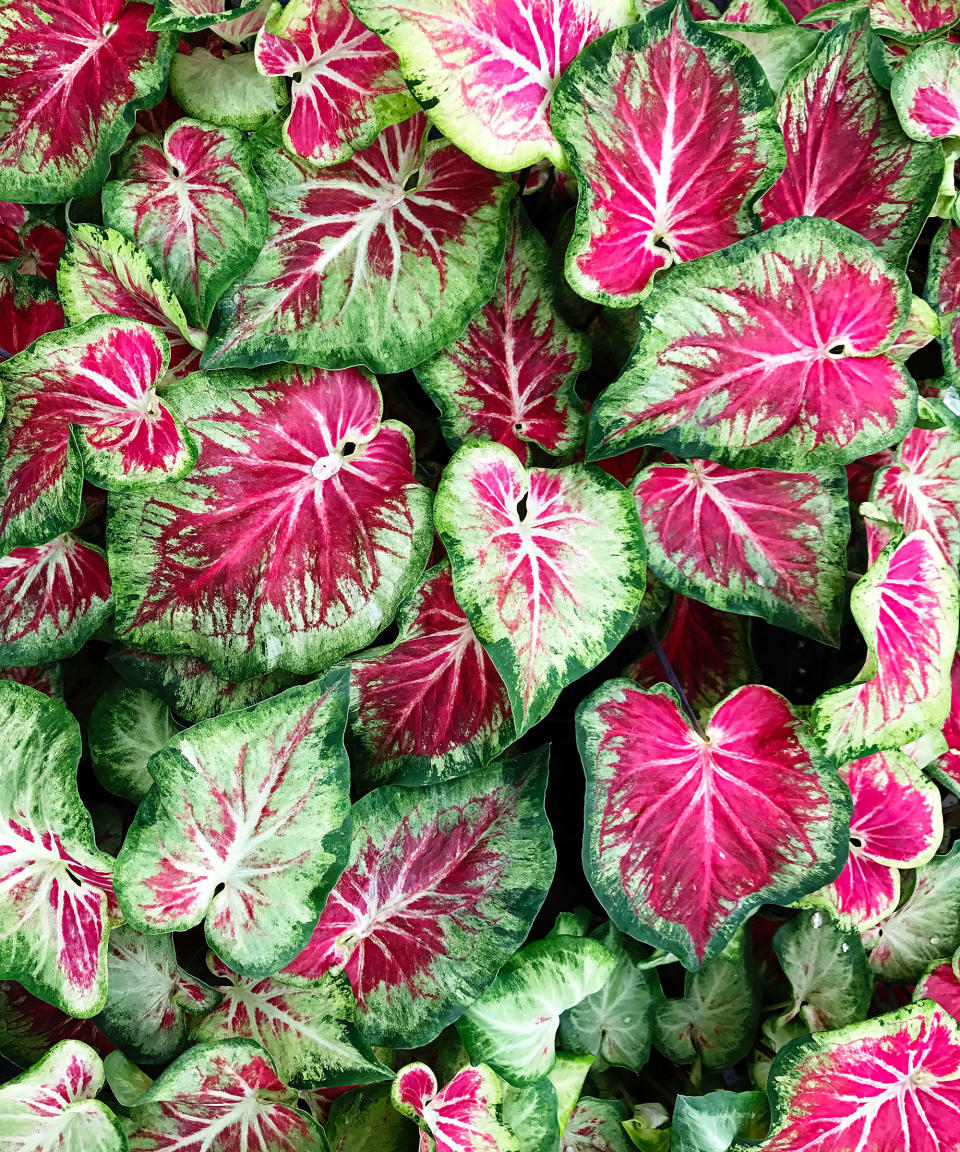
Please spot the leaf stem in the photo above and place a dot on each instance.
(674, 682)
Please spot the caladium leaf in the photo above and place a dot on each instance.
(511, 375)
(366, 1121)
(921, 490)
(712, 1122)
(83, 403)
(28, 308)
(189, 688)
(889, 1082)
(906, 608)
(924, 928)
(709, 653)
(770, 544)
(192, 203)
(242, 27)
(194, 15)
(52, 600)
(896, 823)
(346, 86)
(102, 273)
(847, 156)
(922, 327)
(149, 997)
(463, 1116)
(946, 768)
(827, 969)
(531, 1115)
(225, 89)
(548, 566)
(513, 1025)
(777, 48)
(943, 292)
(310, 1033)
(56, 899)
(715, 1021)
(614, 1024)
(77, 72)
(127, 726)
(294, 539)
(487, 71)
(30, 1027)
(431, 705)
(263, 833)
(442, 885)
(764, 355)
(905, 22)
(52, 1107)
(941, 983)
(760, 816)
(926, 91)
(629, 113)
(410, 229)
(220, 1097)
(596, 1126)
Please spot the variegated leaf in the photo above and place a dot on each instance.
(463, 1116)
(194, 15)
(28, 308)
(30, 1027)
(127, 726)
(926, 91)
(827, 969)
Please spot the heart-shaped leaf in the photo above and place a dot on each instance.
(192, 203)
(77, 72)
(247, 824)
(827, 969)
(220, 1097)
(293, 540)
(463, 1116)
(127, 726)
(712, 1122)
(511, 375)
(52, 1107)
(630, 113)
(906, 608)
(346, 85)
(847, 156)
(487, 71)
(763, 354)
(596, 1126)
(410, 230)
(311, 1033)
(689, 831)
(442, 885)
(771, 544)
(56, 898)
(926, 91)
(52, 600)
(432, 705)
(548, 566)
(83, 403)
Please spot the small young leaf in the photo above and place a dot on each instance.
(463, 1116)
(711, 1123)
(127, 726)
(827, 969)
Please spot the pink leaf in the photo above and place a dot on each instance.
(29, 1027)
(942, 985)
(28, 309)
(687, 834)
(464, 1116)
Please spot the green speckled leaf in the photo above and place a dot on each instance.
(126, 727)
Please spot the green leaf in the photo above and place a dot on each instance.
(127, 726)
(827, 969)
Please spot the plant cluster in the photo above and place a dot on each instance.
(391, 391)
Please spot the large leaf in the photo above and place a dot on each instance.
(511, 375)
(410, 230)
(921, 489)
(768, 353)
(463, 1116)
(75, 73)
(221, 1097)
(770, 544)
(102, 273)
(149, 997)
(657, 185)
(192, 203)
(310, 1033)
(52, 600)
(226, 89)
(687, 832)
(712, 1122)
(56, 899)
(442, 885)
(513, 1025)
(896, 823)
(548, 566)
(709, 653)
(847, 156)
(83, 403)
(431, 705)
(487, 70)
(246, 824)
(193, 15)
(906, 608)
(127, 726)
(52, 1107)
(346, 85)
(294, 539)
(889, 1083)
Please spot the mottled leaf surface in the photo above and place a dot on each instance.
(127, 726)
(463, 1116)
(827, 969)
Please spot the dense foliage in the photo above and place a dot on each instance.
(437, 435)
